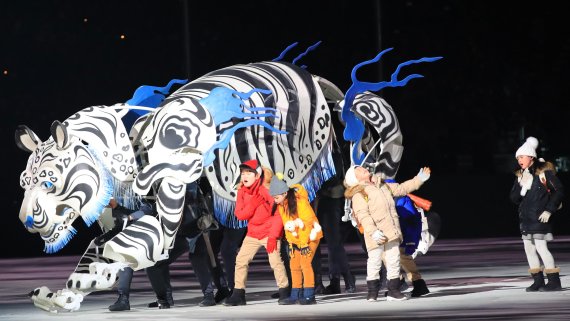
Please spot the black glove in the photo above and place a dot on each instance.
(305, 251)
(101, 239)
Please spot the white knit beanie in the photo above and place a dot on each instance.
(528, 148)
(350, 177)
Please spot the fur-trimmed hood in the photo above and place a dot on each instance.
(538, 168)
(351, 191)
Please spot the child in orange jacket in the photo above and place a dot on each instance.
(303, 233)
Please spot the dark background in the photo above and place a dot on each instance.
(504, 76)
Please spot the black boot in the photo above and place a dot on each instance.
(420, 288)
(394, 293)
(403, 284)
(283, 295)
(293, 297)
(277, 295)
(237, 298)
(553, 276)
(168, 301)
(373, 288)
(334, 285)
(319, 287)
(349, 282)
(221, 294)
(163, 304)
(122, 303)
(538, 280)
(208, 300)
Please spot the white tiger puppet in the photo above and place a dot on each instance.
(273, 111)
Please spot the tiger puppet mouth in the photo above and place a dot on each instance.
(60, 234)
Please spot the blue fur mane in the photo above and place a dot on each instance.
(92, 212)
(65, 236)
(323, 170)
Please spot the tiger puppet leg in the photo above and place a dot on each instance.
(93, 273)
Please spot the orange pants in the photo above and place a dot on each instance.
(302, 274)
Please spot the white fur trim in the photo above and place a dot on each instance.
(299, 223)
(316, 229)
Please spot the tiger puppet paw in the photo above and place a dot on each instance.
(61, 301)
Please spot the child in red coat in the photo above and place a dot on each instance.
(254, 204)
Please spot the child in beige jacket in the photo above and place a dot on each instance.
(375, 210)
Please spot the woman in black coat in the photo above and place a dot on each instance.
(538, 193)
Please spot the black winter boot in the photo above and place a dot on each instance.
(553, 276)
(319, 286)
(169, 301)
(208, 300)
(293, 297)
(373, 288)
(538, 280)
(163, 304)
(221, 294)
(283, 295)
(420, 288)
(349, 282)
(237, 298)
(394, 293)
(122, 303)
(403, 284)
(334, 285)
(277, 295)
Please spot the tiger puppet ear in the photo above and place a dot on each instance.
(26, 139)
(59, 134)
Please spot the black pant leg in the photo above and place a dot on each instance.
(200, 261)
(159, 274)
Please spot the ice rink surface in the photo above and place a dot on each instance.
(469, 279)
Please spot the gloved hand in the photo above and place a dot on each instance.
(271, 245)
(424, 174)
(379, 237)
(305, 250)
(416, 254)
(101, 239)
(525, 181)
(290, 250)
(544, 217)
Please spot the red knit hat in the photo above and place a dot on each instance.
(252, 164)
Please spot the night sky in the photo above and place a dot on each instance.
(504, 76)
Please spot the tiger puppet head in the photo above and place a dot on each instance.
(73, 173)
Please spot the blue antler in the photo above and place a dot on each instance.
(311, 48)
(354, 129)
(285, 51)
(152, 96)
